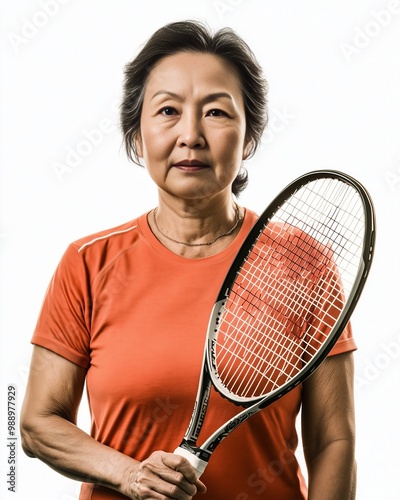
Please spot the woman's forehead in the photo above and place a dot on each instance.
(180, 72)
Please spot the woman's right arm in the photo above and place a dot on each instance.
(49, 432)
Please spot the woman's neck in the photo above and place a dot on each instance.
(197, 230)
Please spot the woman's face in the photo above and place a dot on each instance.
(193, 126)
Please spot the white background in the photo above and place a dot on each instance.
(334, 76)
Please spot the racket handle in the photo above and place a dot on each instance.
(197, 463)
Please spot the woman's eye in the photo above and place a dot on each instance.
(216, 112)
(168, 111)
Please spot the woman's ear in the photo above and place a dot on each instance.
(137, 141)
(247, 150)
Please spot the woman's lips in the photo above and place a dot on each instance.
(190, 165)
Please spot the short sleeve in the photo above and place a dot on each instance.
(345, 343)
(63, 325)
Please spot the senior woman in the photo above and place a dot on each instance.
(124, 304)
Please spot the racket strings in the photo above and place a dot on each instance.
(277, 346)
(303, 297)
(291, 289)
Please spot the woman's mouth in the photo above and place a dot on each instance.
(190, 165)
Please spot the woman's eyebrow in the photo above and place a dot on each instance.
(165, 92)
(217, 95)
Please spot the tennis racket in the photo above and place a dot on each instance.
(286, 299)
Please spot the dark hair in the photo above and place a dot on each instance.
(192, 36)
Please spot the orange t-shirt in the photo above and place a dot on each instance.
(135, 315)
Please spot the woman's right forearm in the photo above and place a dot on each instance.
(73, 453)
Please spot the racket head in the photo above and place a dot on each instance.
(292, 288)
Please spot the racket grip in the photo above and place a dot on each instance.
(197, 463)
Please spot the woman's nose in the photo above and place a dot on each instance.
(191, 132)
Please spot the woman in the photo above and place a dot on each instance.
(125, 302)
